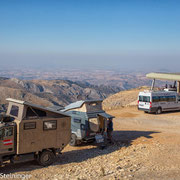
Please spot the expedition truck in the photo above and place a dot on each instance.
(88, 121)
(158, 101)
(32, 132)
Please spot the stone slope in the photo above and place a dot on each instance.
(123, 98)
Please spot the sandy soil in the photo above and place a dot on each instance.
(146, 146)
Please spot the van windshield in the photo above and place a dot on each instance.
(144, 98)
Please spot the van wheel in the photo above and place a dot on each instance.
(46, 158)
(159, 110)
(73, 141)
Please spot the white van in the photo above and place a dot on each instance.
(158, 101)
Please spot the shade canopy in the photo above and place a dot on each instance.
(164, 76)
(105, 115)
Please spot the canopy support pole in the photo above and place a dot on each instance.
(178, 87)
(153, 83)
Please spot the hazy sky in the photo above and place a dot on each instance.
(90, 33)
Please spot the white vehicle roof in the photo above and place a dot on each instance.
(160, 93)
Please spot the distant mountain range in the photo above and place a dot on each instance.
(114, 78)
(52, 92)
(53, 87)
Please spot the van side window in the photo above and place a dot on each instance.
(33, 112)
(178, 98)
(14, 110)
(171, 98)
(155, 99)
(50, 125)
(164, 98)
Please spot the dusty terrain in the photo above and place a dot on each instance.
(123, 98)
(146, 146)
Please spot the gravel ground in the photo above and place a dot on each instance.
(146, 146)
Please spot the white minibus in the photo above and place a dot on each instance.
(158, 101)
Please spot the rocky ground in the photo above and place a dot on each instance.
(146, 146)
(122, 99)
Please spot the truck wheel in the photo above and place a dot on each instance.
(73, 141)
(159, 110)
(46, 158)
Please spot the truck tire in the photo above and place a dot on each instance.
(46, 158)
(159, 110)
(73, 141)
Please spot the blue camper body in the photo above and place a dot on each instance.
(88, 120)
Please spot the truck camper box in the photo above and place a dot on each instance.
(33, 129)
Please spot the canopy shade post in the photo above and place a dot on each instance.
(153, 83)
(178, 87)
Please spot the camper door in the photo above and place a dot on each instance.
(94, 124)
(102, 122)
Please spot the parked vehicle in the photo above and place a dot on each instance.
(88, 121)
(32, 132)
(158, 101)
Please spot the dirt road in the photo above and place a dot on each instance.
(146, 146)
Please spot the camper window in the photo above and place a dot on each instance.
(93, 104)
(50, 125)
(1, 133)
(8, 132)
(33, 112)
(30, 125)
(76, 120)
(14, 111)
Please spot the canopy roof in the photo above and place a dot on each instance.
(164, 76)
(105, 115)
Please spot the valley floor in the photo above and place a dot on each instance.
(146, 146)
